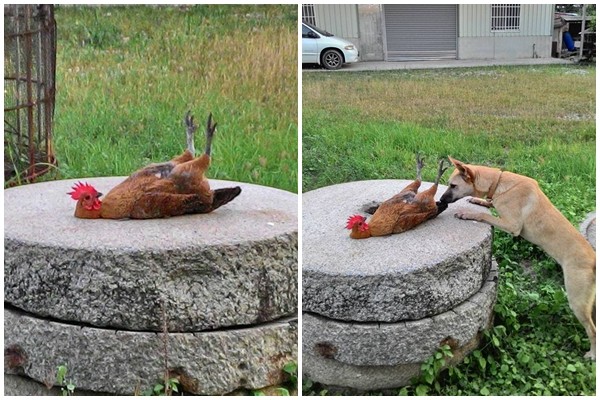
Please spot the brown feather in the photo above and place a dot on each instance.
(404, 211)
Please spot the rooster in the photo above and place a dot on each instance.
(159, 190)
(402, 212)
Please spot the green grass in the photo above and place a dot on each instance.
(537, 121)
(127, 75)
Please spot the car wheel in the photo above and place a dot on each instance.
(332, 59)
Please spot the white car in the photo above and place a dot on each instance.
(321, 47)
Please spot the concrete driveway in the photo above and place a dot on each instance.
(396, 65)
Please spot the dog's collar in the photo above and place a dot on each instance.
(493, 188)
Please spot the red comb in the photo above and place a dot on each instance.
(357, 219)
(80, 189)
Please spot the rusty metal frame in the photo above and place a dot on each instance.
(29, 68)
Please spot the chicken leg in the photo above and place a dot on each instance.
(190, 129)
(430, 193)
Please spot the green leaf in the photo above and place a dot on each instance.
(403, 392)
(429, 379)
(495, 341)
(61, 373)
(571, 367)
(307, 384)
(283, 391)
(484, 391)
(524, 358)
(482, 363)
(291, 368)
(158, 388)
(421, 390)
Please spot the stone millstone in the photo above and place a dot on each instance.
(369, 356)
(407, 276)
(15, 385)
(104, 360)
(234, 266)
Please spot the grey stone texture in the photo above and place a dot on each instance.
(369, 356)
(105, 360)
(372, 343)
(588, 228)
(235, 266)
(408, 276)
(15, 385)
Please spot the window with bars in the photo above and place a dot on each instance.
(506, 17)
(308, 14)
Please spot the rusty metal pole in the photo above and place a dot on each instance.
(29, 85)
(29, 77)
(582, 38)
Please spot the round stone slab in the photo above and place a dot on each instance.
(235, 266)
(104, 360)
(588, 228)
(407, 276)
(368, 356)
(16, 385)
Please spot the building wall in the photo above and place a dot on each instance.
(504, 47)
(477, 40)
(339, 19)
(370, 43)
(475, 20)
(362, 25)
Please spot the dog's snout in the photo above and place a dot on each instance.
(448, 197)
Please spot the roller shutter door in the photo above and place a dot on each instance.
(420, 32)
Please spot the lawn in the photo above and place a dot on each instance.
(127, 75)
(537, 121)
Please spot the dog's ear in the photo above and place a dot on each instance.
(454, 161)
(465, 172)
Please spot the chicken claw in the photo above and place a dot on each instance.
(420, 165)
(210, 131)
(190, 129)
(441, 169)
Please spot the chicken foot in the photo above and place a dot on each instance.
(190, 129)
(420, 165)
(210, 131)
(441, 169)
(430, 193)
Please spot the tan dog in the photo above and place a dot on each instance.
(525, 210)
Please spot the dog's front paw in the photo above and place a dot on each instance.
(590, 355)
(465, 215)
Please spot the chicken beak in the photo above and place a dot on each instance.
(98, 195)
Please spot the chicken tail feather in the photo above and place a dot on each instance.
(441, 207)
(224, 196)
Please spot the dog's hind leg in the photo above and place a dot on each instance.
(581, 291)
